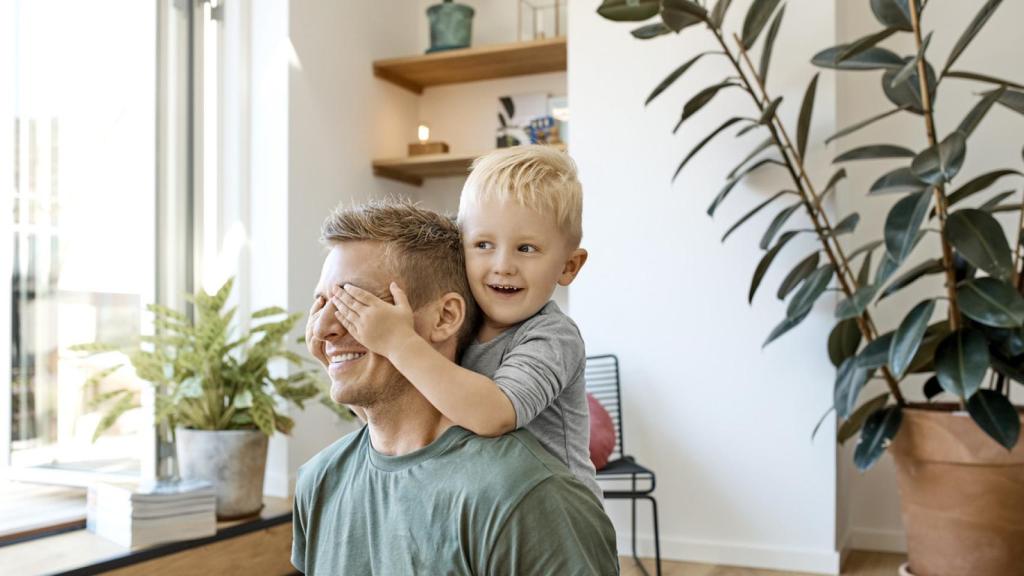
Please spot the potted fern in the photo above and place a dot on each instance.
(960, 465)
(215, 392)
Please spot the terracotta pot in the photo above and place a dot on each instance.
(962, 496)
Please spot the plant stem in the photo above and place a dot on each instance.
(823, 229)
(940, 192)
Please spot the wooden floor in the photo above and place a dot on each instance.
(859, 563)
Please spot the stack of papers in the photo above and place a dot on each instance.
(140, 514)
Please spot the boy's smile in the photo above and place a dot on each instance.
(515, 256)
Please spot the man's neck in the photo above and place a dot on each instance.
(404, 424)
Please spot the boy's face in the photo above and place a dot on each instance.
(514, 258)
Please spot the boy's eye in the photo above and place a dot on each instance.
(483, 245)
(527, 248)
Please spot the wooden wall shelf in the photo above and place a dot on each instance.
(414, 169)
(471, 64)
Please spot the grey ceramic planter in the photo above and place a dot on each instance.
(232, 460)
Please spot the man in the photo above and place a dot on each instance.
(410, 493)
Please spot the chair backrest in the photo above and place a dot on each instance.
(602, 380)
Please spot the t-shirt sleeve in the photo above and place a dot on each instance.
(558, 528)
(299, 520)
(540, 365)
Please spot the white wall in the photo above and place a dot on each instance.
(874, 511)
(725, 425)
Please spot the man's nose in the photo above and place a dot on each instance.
(327, 325)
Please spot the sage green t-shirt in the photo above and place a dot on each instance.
(462, 505)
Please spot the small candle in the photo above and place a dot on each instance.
(424, 133)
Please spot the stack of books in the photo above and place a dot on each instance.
(140, 514)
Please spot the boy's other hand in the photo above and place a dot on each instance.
(376, 324)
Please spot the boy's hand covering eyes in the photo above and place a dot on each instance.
(376, 324)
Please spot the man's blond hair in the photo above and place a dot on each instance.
(422, 248)
(541, 178)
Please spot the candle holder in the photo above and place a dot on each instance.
(425, 146)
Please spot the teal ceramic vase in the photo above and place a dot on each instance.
(451, 26)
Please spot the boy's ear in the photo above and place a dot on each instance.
(450, 314)
(572, 266)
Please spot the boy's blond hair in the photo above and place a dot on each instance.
(541, 178)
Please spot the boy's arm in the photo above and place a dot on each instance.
(468, 399)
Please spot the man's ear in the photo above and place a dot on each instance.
(572, 266)
(450, 314)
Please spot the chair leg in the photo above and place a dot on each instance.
(633, 536)
(657, 536)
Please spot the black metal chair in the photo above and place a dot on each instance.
(602, 377)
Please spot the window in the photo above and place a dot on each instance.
(96, 172)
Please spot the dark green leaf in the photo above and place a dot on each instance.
(757, 16)
(964, 75)
(961, 361)
(925, 268)
(874, 58)
(1006, 367)
(629, 10)
(1006, 208)
(991, 302)
(907, 338)
(769, 111)
(754, 125)
(731, 183)
(864, 276)
(700, 100)
(843, 341)
(978, 237)
(675, 75)
(908, 68)
(977, 184)
(874, 152)
(766, 261)
(973, 118)
(849, 428)
(679, 14)
(856, 304)
(893, 14)
(1013, 100)
(725, 125)
(932, 388)
(996, 416)
(850, 379)
(908, 94)
(854, 127)
(650, 31)
(846, 225)
(876, 353)
(757, 150)
(750, 214)
(804, 123)
(785, 326)
(861, 44)
(992, 204)
(879, 430)
(903, 223)
(718, 13)
(940, 163)
(769, 43)
(797, 275)
(831, 186)
(898, 181)
(886, 267)
(820, 422)
(972, 30)
(812, 288)
(777, 223)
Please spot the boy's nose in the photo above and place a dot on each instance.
(505, 265)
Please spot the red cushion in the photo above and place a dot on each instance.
(602, 433)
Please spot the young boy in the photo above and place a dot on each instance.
(520, 214)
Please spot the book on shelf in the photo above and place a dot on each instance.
(140, 514)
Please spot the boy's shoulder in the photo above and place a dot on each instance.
(549, 318)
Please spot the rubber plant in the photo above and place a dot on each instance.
(981, 331)
(206, 377)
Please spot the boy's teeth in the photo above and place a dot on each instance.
(347, 357)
